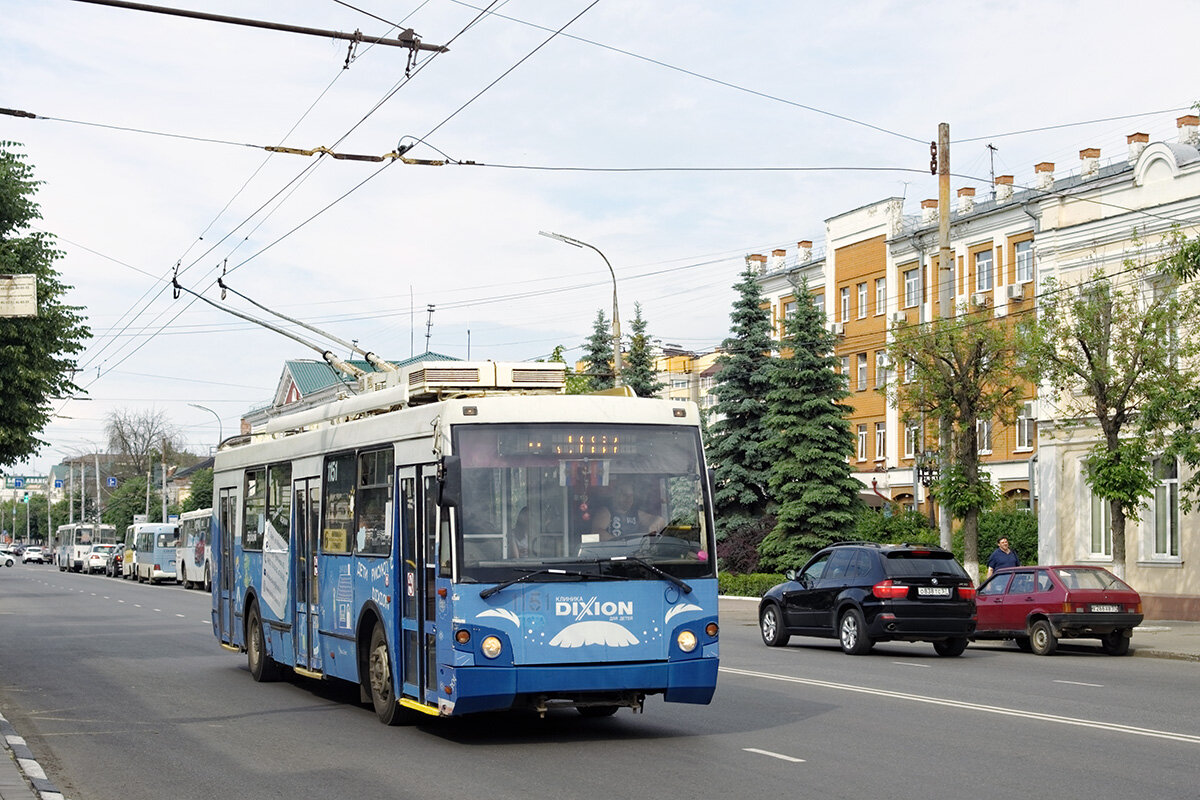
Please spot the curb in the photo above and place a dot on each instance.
(26, 764)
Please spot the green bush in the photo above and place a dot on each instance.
(754, 584)
(1016, 524)
(906, 526)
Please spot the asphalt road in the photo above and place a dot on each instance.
(122, 693)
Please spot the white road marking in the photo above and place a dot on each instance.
(1081, 683)
(180, 616)
(1112, 727)
(780, 756)
(911, 664)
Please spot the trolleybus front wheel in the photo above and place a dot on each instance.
(379, 677)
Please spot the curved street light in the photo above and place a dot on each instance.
(616, 320)
(220, 428)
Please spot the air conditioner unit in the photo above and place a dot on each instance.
(980, 298)
(1016, 291)
(837, 329)
(899, 316)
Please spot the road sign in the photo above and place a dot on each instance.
(18, 295)
(18, 483)
(58, 483)
(112, 483)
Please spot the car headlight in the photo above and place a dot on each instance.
(686, 641)
(490, 646)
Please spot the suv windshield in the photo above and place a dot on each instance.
(597, 499)
(921, 564)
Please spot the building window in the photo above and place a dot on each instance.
(1023, 253)
(983, 271)
(862, 300)
(862, 442)
(845, 297)
(1101, 528)
(983, 435)
(862, 372)
(819, 301)
(1166, 508)
(912, 288)
(912, 439)
(910, 370)
(846, 370)
(880, 441)
(881, 368)
(1027, 427)
(880, 296)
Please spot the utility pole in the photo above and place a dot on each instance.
(97, 489)
(164, 480)
(946, 299)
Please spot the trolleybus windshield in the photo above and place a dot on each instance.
(605, 500)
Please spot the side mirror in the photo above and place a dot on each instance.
(451, 482)
(790, 574)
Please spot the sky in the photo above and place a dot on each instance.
(675, 137)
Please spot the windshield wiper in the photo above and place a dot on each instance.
(660, 573)
(491, 590)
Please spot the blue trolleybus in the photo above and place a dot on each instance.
(508, 548)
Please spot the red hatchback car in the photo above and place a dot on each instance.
(1037, 606)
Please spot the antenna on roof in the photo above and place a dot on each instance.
(372, 359)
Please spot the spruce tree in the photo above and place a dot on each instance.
(738, 439)
(638, 366)
(810, 476)
(598, 354)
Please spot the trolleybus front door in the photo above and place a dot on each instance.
(306, 499)
(226, 520)
(418, 528)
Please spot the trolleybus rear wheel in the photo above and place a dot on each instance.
(262, 667)
(379, 676)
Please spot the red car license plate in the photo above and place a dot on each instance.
(1105, 608)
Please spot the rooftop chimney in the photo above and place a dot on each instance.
(757, 263)
(1137, 143)
(1089, 162)
(1189, 129)
(804, 252)
(777, 259)
(966, 200)
(929, 212)
(1004, 188)
(1045, 174)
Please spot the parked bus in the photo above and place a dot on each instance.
(193, 558)
(154, 551)
(446, 557)
(76, 540)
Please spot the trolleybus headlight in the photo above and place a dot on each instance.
(462, 636)
(490, 646)
(687, 641)
(711, 629)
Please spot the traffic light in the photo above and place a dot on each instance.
(25, 499)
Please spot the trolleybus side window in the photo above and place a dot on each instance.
(254, 519)
(374, 535)
(279, 499)
(338, 507)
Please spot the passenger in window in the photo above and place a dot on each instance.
(622, 517)
(519, 539)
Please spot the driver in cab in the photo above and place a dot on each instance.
(621, 518)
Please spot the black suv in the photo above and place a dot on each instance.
(863, 592)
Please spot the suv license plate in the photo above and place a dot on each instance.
(1105, 609)
(936, 591)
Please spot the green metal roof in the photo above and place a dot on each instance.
(313, 376)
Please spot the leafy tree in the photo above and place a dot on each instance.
(738, 444)
(637, 369)
(811, 480)
(1120, 353)
(576, 383)
(36, 353)
(130, 498)
(201, 496)
(963, 370)
(904, 526)
(598, 354)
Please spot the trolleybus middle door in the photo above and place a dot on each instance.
(306, 506)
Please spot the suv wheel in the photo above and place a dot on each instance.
(951, 647)
(770, 625)
(852, 630)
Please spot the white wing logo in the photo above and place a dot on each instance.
(680, 609)
(580, 634)
(503, 613)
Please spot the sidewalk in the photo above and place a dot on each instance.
(1177, 639)
(21, 776)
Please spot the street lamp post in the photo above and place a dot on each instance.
(220, 428)
(927, 474)
(616, 320)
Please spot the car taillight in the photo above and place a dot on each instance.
(889, 590)
(966, 592)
